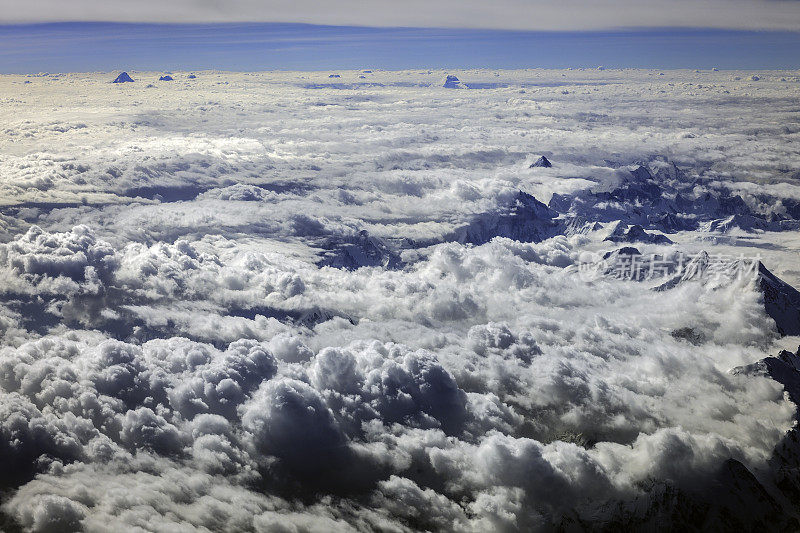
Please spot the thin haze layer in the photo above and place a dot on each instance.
(80, 46)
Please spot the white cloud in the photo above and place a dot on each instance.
(188, 348)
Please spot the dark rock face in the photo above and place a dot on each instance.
(636, 233)
(689, 335)
(660, 196)
(784, 465)
(542, 162)
(361, 250)
(580, 226)
(626, 263)
(624, 251)
(525, 219)
(165, 78)
(781, 301)
(783, 368)
(452, 82)
(123, 78)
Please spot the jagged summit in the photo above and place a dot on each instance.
(360, 250)
(452, 82)
(620, 232)
(542, 162)
(660, 196)
(750, 223)
(580, 226)
(624, 251)
(641, 173)
(783, 368)
(781, 300)
(665, 170)
(165, 77)
(317, 315)
(523, 219)
(123, 78)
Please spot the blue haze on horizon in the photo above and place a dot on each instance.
(97, 46)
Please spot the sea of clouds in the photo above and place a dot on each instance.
(290, 302)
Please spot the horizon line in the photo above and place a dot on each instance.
(609, 30)
(263, 46)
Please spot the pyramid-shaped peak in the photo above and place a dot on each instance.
(452, 82)
(781, 300)
(542, 162)
(529, 204)
(641, 173)
(123, 78)
(624, 251)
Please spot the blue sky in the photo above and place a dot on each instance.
(89, 46)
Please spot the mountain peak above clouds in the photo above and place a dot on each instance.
(635, 233)
(123, 78)
(542, 162)
(452, 82)
(523, 218)
(781, 301)
(341, 303)
(661, 196)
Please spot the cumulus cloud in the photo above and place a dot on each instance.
(364, 310)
